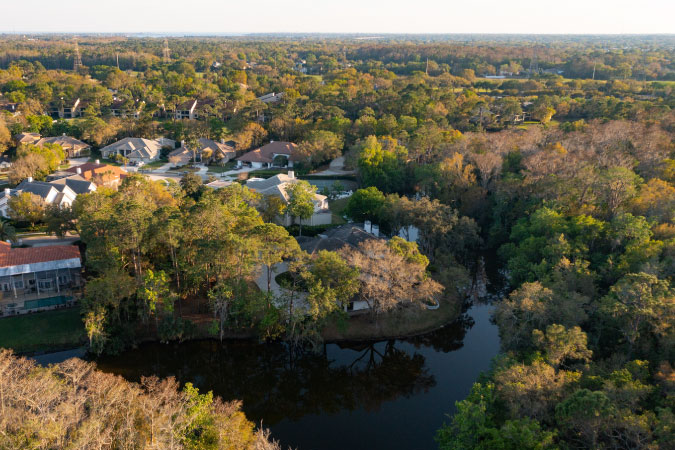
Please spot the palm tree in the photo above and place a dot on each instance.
(7, 231)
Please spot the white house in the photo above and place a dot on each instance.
(278, 186)
(186, 110)
(272, 97)
(136, 149)
(59, 194)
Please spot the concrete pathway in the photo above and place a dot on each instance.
(163, 169)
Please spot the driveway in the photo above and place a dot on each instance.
(336, 167)
(277, 291)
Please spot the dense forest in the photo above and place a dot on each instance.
(562, 173)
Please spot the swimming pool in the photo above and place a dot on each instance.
(46, 302)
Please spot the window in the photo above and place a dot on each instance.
(5, 287)
(45, 284)
(63, 279)
(18, 284)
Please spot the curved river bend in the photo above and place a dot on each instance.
(384, 395)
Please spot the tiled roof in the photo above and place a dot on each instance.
(266, 152)
(31, 255)
(90, 170)
(64, 141)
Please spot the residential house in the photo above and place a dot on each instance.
(10, 107)
(59, 194)
(134, 149)
(77, 183)
(26, 138)
(66, 109)
(272, 97)
(124, 108)
(334, 239)
(278, 186)
(5, 164)
(37, 278)
(101, 174)
(186, 110)
(74, 148)
(220, 152)
(274, 154)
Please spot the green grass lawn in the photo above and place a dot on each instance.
(49, 330)
(155, 164)
(230, 165)
(337, 207)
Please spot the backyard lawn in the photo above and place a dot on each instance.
(337, 207)
(49, 330)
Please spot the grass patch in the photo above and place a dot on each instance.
(337, 207)
(230, 165)
(49, 330)
(155, 164)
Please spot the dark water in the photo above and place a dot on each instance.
(385, 395)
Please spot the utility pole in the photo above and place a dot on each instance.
(77, 63)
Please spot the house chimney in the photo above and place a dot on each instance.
(291, 174)
(78, 171)
(98, 161)
(29, 179)
(222, 141)
(64, 134)
(182, 143)
(7, 191)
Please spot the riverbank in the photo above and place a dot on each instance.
(58, 330)
(400, 323)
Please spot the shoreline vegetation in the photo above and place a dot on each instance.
(62, 330)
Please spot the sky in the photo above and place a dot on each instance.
(340, 16)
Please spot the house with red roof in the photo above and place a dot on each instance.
(37, 278)
(274, 154)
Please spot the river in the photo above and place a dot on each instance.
(383, 395)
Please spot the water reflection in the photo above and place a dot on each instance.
(277, 382)
(392, 394)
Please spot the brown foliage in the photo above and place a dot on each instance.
(73, 405)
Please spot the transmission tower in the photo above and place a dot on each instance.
(166, 54)
(77, 63)
(534, 65)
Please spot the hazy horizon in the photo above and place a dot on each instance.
(204, 17)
